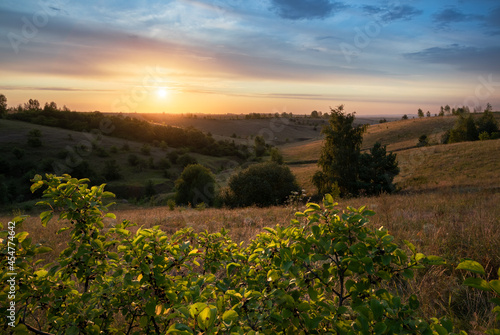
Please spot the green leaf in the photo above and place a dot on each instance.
(206, 317)
(434, 260)
(231, 267)
(272, 275)
(22, 236)
(471, 266)
(495, 285)
(179, 329)
(151, 307)
(377, 308)
(410, 246)
(440, 329)
(229, 316)
(313, 294)
(46, 217)
(42, 250)
(478, 283)
(41, 273)
(413, 302)
(380, 328)
(110, 215)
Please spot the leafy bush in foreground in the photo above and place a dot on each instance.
(326, 273)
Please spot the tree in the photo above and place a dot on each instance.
(447, 109)
(441, 111)
(195, 185)
(185, 160)
(32, 105)
(420, 112)
(3, 106)
(428, 114)
(487, 122)
(377, 170)
(34, 136)
(339, 159)
(423, 141)
(405, 117)
(262, 184)
(276, 156)
(111, 171)
(260, 146)
(314, 114)
(465, 130)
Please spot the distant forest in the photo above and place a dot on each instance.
(127, 128)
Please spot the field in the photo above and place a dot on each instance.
(447, 205)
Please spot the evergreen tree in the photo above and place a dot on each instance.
(377, 170)
(339, 158)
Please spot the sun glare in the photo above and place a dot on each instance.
(162, 92)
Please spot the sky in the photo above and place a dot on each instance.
(260, 56)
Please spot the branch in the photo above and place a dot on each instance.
(34, 330)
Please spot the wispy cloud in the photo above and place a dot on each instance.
(392, 12)
(451, 16)
(466, 58)
(306, 9)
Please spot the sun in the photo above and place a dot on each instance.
(162, 92)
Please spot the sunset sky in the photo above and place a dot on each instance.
(265, 56)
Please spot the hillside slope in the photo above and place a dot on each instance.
(466, 164)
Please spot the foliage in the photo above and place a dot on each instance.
(111, 171)
(423, 141)
(327, 272)
(487, 123)
(127, 128)
(262, 184)
(146, 149)
(492, 286)
(276, 156)
(186, 159)
(344, 169)
(3, 106)
(377, 170)
(196, 184)
(260, 146)
(339, 158)
(420, 113)
(465, 130)
(34, 136)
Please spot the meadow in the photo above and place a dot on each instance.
(446, 205)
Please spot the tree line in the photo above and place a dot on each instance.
(123, 127)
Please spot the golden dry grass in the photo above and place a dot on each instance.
(448, 206)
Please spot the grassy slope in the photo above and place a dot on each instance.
(56, 142)
(416, 163)
(448, 206)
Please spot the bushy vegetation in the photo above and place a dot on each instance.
(326, 272)
(195, 185)
(262, 184)
(468, 129)
(125, 127)
(344, 169)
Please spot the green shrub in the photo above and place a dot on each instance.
(186, 160)
(146, 149)
(262, 184)
(34, 138)
(328, 272)
(196, 184)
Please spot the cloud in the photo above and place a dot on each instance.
(392, 12)
(448, 16)
(306, 9)
(465, 58)
(492, 22)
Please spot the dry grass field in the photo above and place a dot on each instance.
(448, 205)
